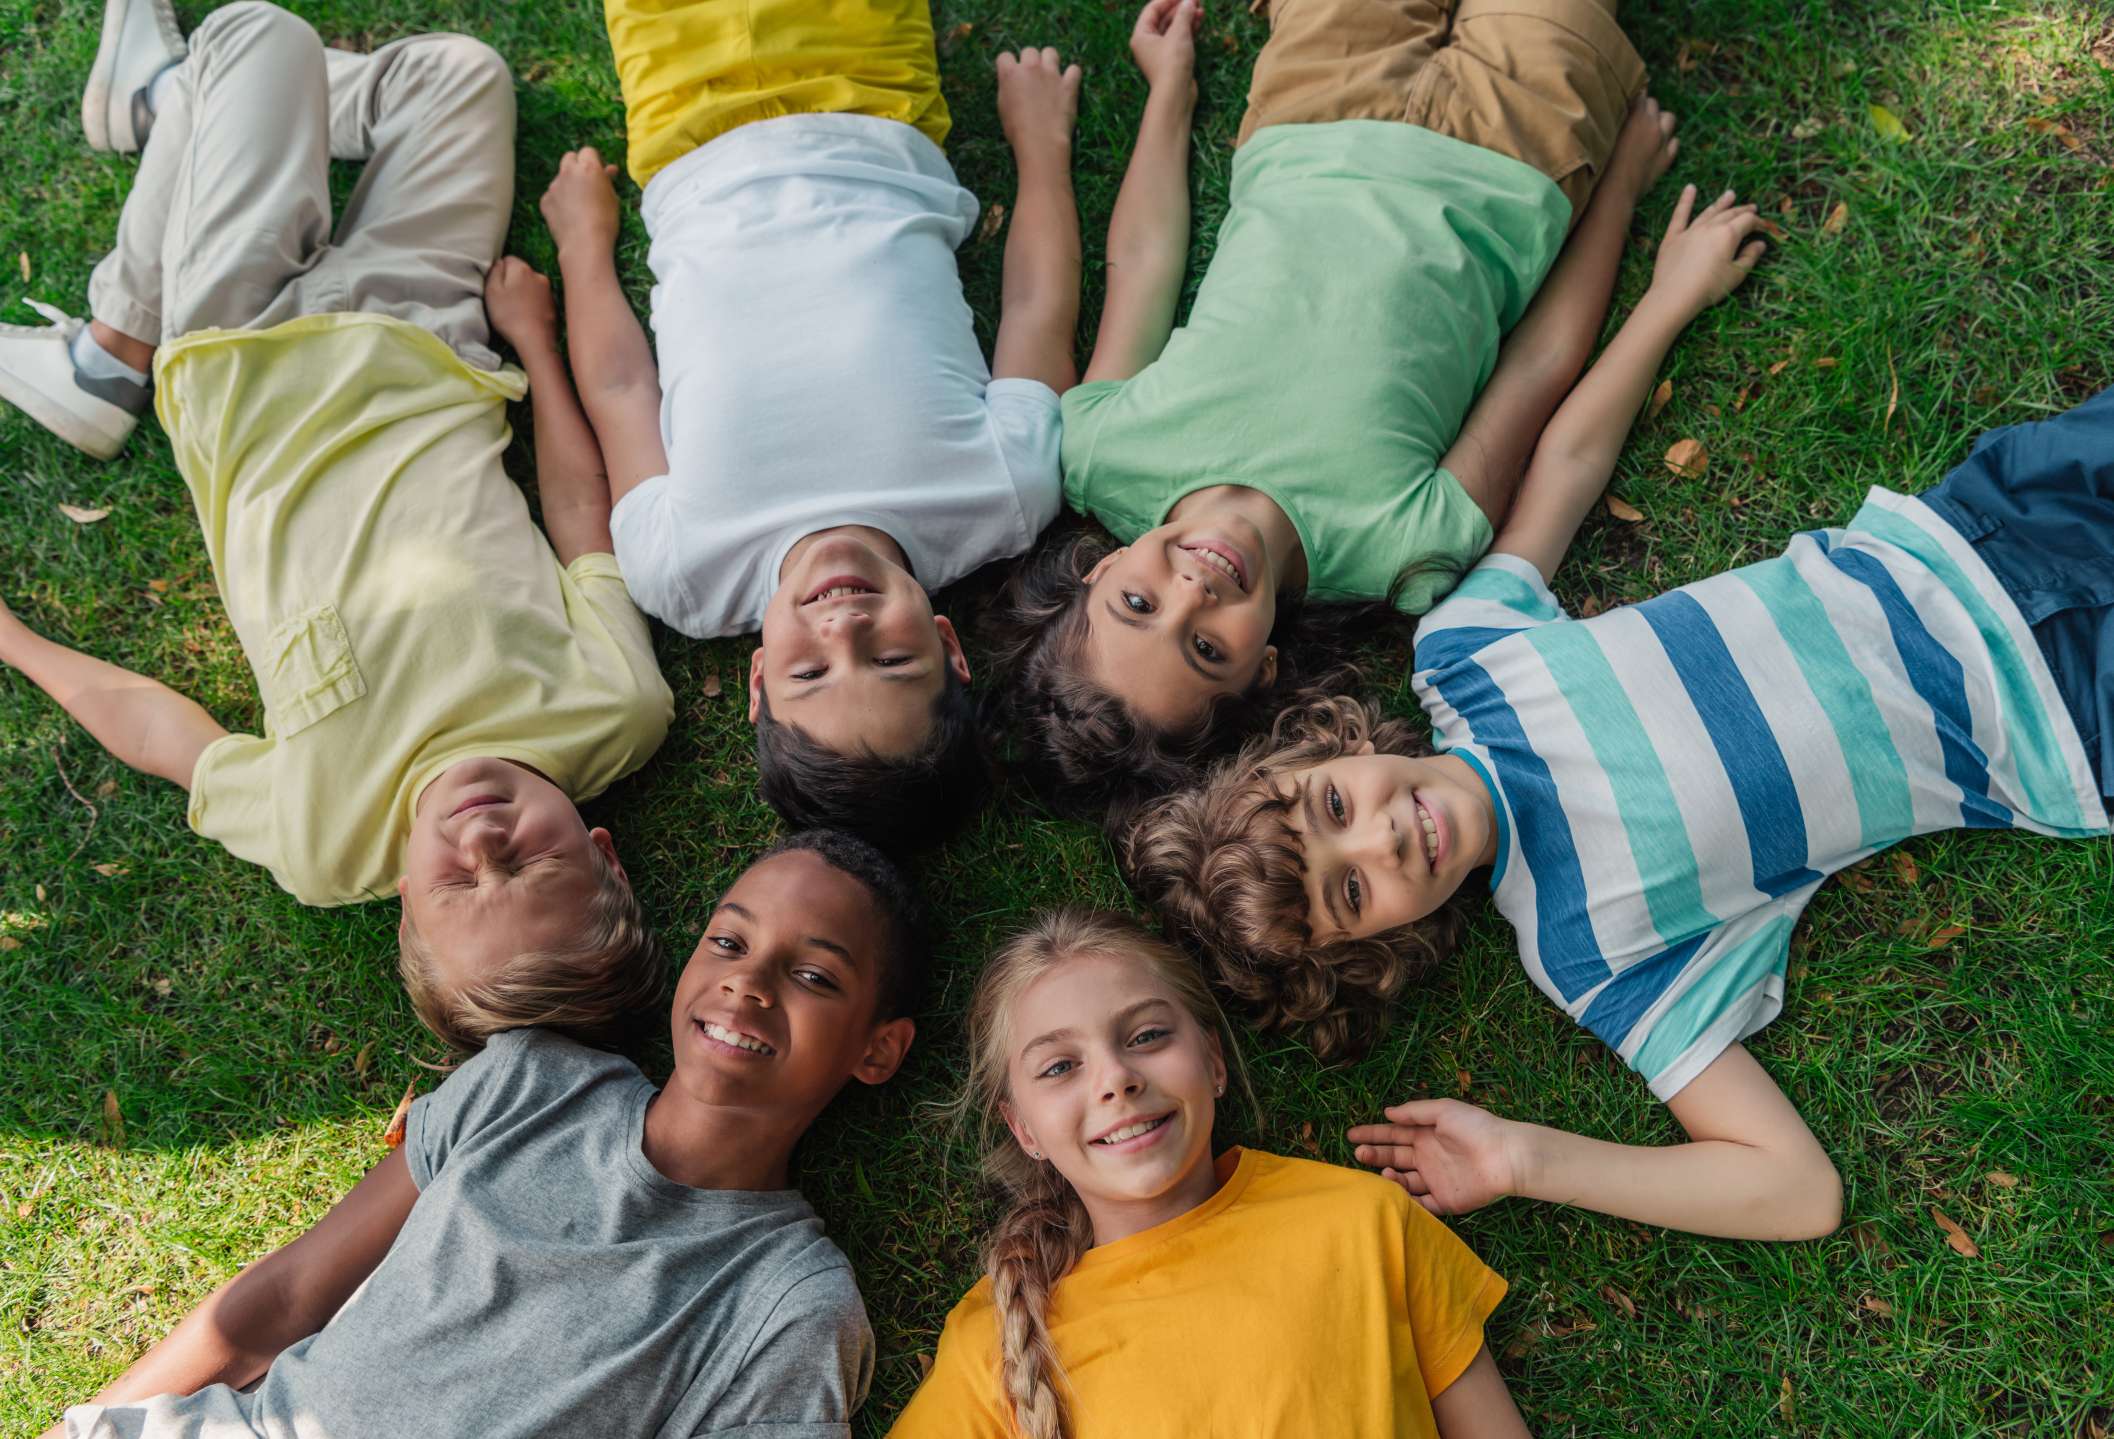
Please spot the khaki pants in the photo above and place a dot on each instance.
(1548, 82)
(228, 222)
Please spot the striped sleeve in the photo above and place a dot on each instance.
(1500, 596)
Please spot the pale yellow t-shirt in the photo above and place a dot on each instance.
(399, 607)
(1302, 1301)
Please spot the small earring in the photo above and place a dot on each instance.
(1220, 1090)
(1038, 1154)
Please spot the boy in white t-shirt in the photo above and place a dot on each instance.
(821, 444)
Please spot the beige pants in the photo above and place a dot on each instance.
(228, 222)
(1548, 82)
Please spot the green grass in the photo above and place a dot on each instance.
(1963, 291)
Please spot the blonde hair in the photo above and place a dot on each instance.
(1046, 1228)
(600, 989)
(1224, 865)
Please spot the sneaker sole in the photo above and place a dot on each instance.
(95, 99)
(75, 429)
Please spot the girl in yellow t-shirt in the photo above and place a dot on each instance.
(1141, 1287)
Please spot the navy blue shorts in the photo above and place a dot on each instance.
(2037, 503)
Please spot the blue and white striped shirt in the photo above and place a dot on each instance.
(1674, 779)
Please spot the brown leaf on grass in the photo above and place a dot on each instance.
(1914, 928)
(1878, 1306)
(108, 871)
(362, 1060)
(41, 896)
(1684, 62)
(924, 1366)
(2040, 126)
(113, 1121)
(1895, 398)
(160, 587)
(393, 1134)
(994, 221)
(106, 789)
(1661, 397)
(1526, 1339)
(1621, 1301)
(83, 517)
(1773, 230)
(1826, 362)
(1956, 1236)
(23, 1211)
(1905, 869)
(1623, 510)
(1786, 1405)
(713, 688)
(1872, 1246)
(1714, 412)
(2002, 1180)
(24, 258)
(1778, 367)
(1688, 458)
(1589, 608)
(1837, 218)
(1790, 204)
(9, 943)
(1942, 937)
(1461, 1079)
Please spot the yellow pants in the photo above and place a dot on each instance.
(695, 69)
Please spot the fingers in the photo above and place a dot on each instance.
(1683, 207)
(1386, 1156)
(1420, 1112)
(1748, 258)
(1409, 1179)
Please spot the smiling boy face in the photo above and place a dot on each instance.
(776, 1006)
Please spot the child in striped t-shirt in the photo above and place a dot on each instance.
(1659, 790)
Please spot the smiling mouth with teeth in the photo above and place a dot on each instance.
(1219, 562)
(1431, 834)
(838, 592)
(730, 1037)
(1132, 1131)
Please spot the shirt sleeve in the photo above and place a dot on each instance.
(647, 541)
(1085, 407)
(1502, 595)
(466, 1101)
(1451, 1295)
(807, 1370)
(959, 1398)
(1029, 419)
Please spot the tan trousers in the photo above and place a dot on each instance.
(228, 222)
(1548, 82)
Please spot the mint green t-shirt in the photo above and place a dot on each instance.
(1352, 312)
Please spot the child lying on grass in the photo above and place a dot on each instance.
(559, 1250)
(821, 445)
(1140, 1286)
(1662, 788)
(440, 684)
(1334, 431)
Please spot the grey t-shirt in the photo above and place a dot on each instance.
(550, 1281)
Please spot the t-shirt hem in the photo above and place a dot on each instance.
(728, 146)
(1456, 1360)
(195, 811)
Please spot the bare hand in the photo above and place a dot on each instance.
(581, 204)
(1452, 1157)
(1038, 104)
(1701, 261)
(1645, 150)
(518, 302)
(1163, 42)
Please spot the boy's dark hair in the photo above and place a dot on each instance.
(602, 989)
(1087, 751)
(1227, 870)
(902, 806)
(906, 925)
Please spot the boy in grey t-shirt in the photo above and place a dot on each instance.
(570, 1252)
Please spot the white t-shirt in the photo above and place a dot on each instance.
(819, 367)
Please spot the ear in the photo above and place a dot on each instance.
(1093, 576)
(755, 683)
(1218, 1063)
(951, 643)
(1267, 675)
(403, 892)
(885, 1049)
(599, 838)
(1365, 746)
(1022, 1136)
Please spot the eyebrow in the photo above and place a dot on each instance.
(1061, 1034)
(814, 940)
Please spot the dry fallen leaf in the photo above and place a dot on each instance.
(1879, 1306)
(1518, 1348)
(1774, 230)
(1956, 1236)
(2002, 1180)
(23, 1211)
(1660, 399)
(1837, 218)
(9, 943)
(162, 987)
(40, 894)
(1623, 510)
(1778, 367)
(713, 688)
(82, 517)
(1621, 1301)
(1688, 458)
(1941, 938)
(1805, 129)
(1893, 399)
(1460, 1078)
(108, 871)
(1872, 1246)
(994, 220)
(113, 1121)
(924, 1365)
(2060, 131)
(1784, 1404)
(160, 587)
(1887, 124)
(393, 1135)
(1905, 869)
(1590, 608)
(363, 1059)
(24, 257)
(1826, 362)
(106, 789)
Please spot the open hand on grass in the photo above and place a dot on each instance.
(1452, 1157)
(1163, 42)
(518, 301)
(1644, 151)
(581, 204)
(1038, 105)
(1705, 258)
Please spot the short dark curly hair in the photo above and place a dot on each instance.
(906, 924)
(903, 806)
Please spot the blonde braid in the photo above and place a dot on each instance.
(1035, 1246)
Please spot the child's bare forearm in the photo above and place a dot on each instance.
(141, 721)
(613, 365)
(1040, 308)
(1148, 239)
(570, 475)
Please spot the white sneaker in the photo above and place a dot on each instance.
(37, 377)
(140, 40)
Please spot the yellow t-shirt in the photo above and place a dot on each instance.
(1302, 1301)
(398, 605)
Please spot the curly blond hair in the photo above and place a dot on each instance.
(1226, 868)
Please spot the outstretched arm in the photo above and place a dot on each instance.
(1477, 1405)
(142, 721)
(1547, 349)
(1038, 104)
(570, 475)
(1148, 233)
(1699, 264)
(620, 386)
(284, 1297)
(1751, 1168)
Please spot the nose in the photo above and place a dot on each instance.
(484, 840)
(747, 982)
(1195, 586)
(1117, 1080)
(1378, 841)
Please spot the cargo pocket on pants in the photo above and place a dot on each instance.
(308, 671)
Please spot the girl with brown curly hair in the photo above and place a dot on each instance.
(1140, 1286)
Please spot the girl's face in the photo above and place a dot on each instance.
(1115, 1083)
(1183, 616)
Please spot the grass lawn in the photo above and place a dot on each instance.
(193, 1067)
